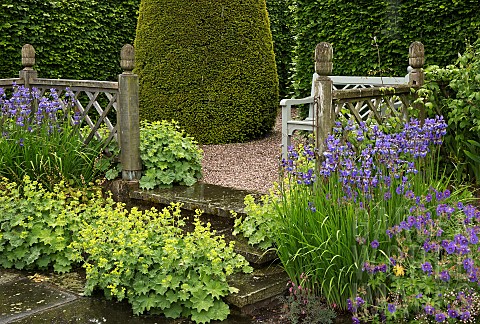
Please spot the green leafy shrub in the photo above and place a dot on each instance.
(146, 258)
(209, 65)
(259, 224)
(454, 92)
(169, 156)
(37, 226)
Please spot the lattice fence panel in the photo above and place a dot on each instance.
(373, 109)
(93, 109)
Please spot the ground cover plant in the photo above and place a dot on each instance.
(147, 258)
(41, 138)
(143, 256)
(169, 156)
(37, 225)
(330, 222)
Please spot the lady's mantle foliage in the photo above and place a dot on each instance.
(169, 156)
(147, 258)
(37, 226)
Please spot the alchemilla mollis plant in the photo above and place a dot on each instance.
(258, 224)
(146, 258)
(38, 225)
(169, 156)
(40, 137)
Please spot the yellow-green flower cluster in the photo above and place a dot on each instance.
(146, 257)
(38, 225)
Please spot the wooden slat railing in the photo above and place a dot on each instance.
(99, 104)
(358, 98)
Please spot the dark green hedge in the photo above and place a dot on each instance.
(281, 25)
(78, 39)
(209, 65)
(351, 27)
(82, 38)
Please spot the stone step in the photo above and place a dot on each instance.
(257, 257)
(212, 199)
(267, 281)
(258, 286)
(216, 203)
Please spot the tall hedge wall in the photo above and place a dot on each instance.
(82, 38)
(351, 26)
(208, 64)
(281, 25)
(78, 39)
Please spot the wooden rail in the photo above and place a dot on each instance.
(97, 102)
(362, 98)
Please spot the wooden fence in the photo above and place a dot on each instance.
(362, 98)
(95, 101)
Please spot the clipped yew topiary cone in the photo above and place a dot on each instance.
(209, 65)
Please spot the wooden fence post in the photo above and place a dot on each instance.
(28, 61)
(416, 59)
(324, 113)
(128, 116)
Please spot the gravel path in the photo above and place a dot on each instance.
(252, 166)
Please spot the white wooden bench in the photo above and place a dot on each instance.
(290, 124)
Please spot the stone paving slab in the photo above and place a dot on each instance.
(212, 199)
(255, 256)
(91, 310)
(7, 276)
(260, 285)
(97, 310)
(21, 297)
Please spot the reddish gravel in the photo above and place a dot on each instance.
(252, 166)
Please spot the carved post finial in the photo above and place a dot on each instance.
(416, 59)
(28, 57)
(127, 58)
(416, 55)
(323, 58)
